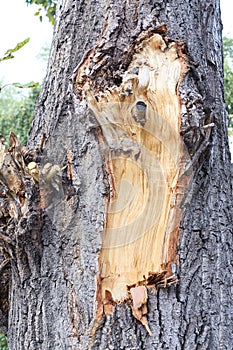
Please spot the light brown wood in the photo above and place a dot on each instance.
(140, 122)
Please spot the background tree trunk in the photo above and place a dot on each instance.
(56, 244)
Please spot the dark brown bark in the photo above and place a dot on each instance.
(55, 244)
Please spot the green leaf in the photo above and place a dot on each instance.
(32, 84)
(18, 46)
(8, 57)
(8, 54)
(37, 13)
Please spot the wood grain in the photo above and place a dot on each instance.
(140, 122)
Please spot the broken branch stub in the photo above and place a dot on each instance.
(145, 158)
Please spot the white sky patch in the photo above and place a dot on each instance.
(226, 11)
(17, 22)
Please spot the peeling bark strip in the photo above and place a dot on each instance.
(145, 155)
(20, 217)
(25, 188)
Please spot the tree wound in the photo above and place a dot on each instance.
(140, 122)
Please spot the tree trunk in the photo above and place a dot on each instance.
(116, 219)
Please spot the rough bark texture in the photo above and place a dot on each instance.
(55, 246)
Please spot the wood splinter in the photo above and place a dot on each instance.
(139, 306)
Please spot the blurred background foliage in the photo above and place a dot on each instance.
(16, 111)
(228, 76)
(16, 108)
(3, 342)
(48, 6)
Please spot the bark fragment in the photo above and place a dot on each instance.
(25, 188)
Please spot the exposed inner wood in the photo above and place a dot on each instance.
(139, 305)
(140, 121)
